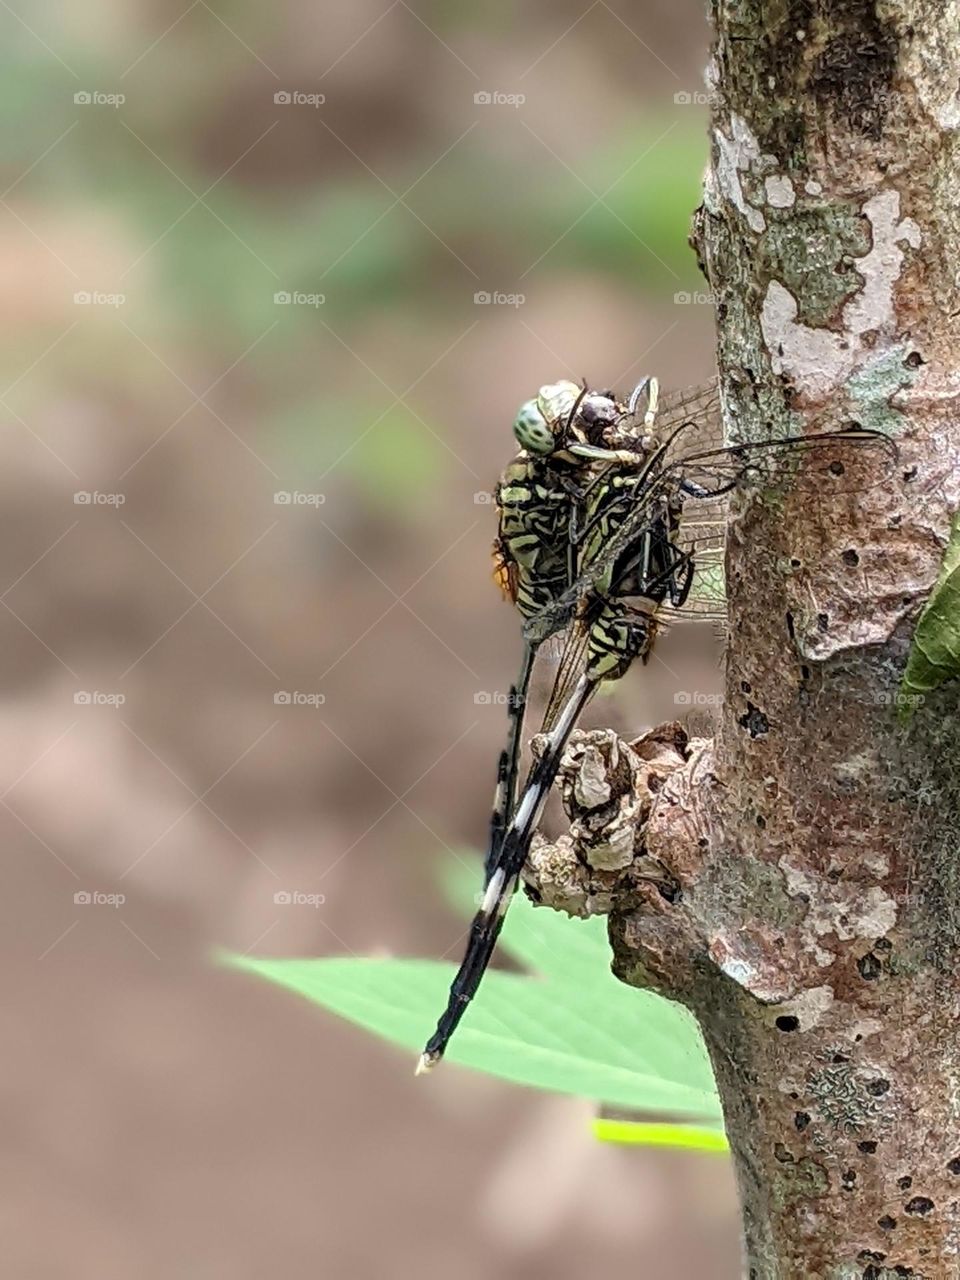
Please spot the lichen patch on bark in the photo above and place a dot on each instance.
(780, 192)
(843, 910)
(819, 361)
(736, 153)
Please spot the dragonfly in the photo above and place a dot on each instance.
(561, 438)
(645, 488)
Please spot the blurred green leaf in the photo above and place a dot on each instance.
(935, 652)
(395, 459)
(577, 1030)
(521, 1029)
(642, 1133)
(214, 270)
(641, 228)
(397, 463)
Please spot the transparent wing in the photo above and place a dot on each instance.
(572, 664)
(697, 411)
(845, 461)
(702, 535)
(691, 419)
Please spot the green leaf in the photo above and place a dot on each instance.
(576, 1030)
(521, 1030)
(935, 652)
(643, 1133)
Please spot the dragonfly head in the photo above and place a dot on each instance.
(532, 431)
(564, 414)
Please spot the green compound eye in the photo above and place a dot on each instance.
(531, 430)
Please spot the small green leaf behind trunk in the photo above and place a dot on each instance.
(935, 653)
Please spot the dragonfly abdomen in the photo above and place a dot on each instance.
(619, 636)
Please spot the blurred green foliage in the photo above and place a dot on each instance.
(299, 202)
(573, 1029)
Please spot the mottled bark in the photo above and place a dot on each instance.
(797, 879)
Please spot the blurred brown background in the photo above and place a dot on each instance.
(218, 289)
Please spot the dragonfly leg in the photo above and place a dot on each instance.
(576, 535)
(658, 565)
(576, 405)
(593, 452)
(652, 388)
(679, 588)
(677, 573)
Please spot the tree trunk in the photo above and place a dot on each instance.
(813, 847)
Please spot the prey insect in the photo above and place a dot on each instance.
(621, 550)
